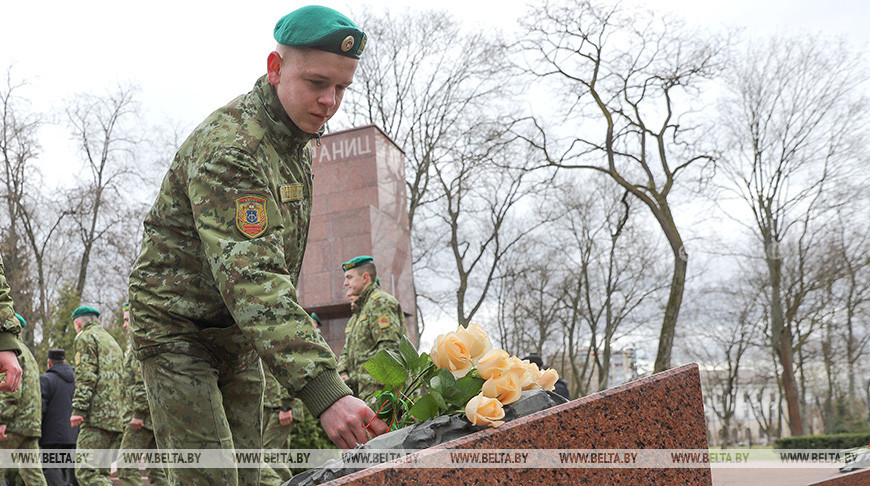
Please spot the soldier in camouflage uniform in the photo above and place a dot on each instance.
(279, 412)
(21, 415)
(9, 330)
(97, 402)
(139, 433)
(214, 287)
(376, 323)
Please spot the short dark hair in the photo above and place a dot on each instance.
(56, 355)
(368, 268)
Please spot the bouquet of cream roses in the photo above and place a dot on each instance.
(461, 373)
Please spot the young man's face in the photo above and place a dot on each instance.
(355, 282)
(127, 321)
(310, 84)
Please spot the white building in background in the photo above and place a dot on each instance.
(758, 416)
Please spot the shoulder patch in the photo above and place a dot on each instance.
(78, 358)
(251, 218)
(291, 192)
(383, 322)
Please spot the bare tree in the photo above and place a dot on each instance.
(106, 131)
(721, 339)
(627, 76)
(791, 113)
(477, 209)
(428, 100)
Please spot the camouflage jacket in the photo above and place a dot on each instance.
(9, 325)
(134, 390)
(377, 323)
(99, 379)
(21, 410)
(223, 246)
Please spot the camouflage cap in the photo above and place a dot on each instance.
(85, 310)
(321, 28)
(357, 261)
(21, 320)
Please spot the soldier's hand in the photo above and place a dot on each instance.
(136, 424)
(286, 418)
(3, 432)
(9, 365)
(347, 420)
(75, 420)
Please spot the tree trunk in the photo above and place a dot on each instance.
(781, 340)
(672, 311)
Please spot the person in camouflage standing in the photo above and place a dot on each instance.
(213, 290)
(9, 330)
(279, 411)
(97, 402)
(138, 433)
(376, 323)
(21, 415)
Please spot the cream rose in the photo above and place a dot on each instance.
(482, 410)
(548, 378)
(524, 376)
(476, 339)
(492, 363)
(504, 388)
(450, 353)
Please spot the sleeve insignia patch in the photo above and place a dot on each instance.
(251, 218)
(383, 322)
(291, 192)
(78, 358)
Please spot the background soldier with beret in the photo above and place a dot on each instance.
(279, 412)
(9, 330)
(58, 386)
(376, 323)
(138, 431)
(214, 287)
(97, 402)
(21, 415)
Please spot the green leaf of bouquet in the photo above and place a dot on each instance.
(386, 368)
(424, 408)
(438, 398)
(465, 389)
(409, 353)
(442, 382)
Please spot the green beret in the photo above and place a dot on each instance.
(126, 307)
(85, 310)
(321, 28)
(21, 320)
(316, 319)
(355, 262)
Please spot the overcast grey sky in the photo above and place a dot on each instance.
(191, 57)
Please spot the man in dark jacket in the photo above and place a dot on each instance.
(58, 385)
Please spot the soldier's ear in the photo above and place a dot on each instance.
(273, 67)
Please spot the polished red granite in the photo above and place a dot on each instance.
(860, 477)
(664, 411)
(359, 207)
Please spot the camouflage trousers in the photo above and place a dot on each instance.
(275, 437)
(210, 396)
(91, 437)
(32, 476)
(140, 439)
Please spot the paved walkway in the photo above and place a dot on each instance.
(771, 476)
